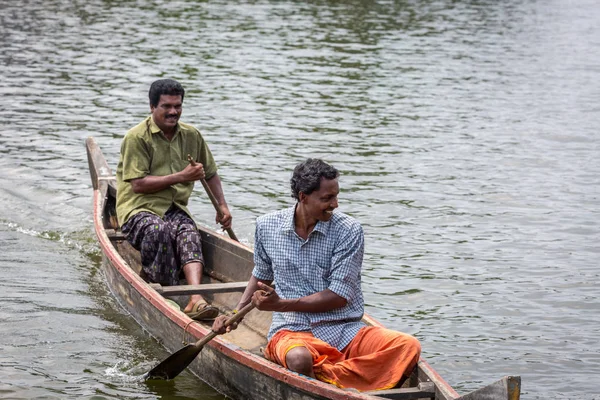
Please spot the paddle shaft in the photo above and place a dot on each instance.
(213, 200)
(235, 318)
(178, 361)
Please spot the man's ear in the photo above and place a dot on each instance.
(301, 197)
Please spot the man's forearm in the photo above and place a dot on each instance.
(152, 184)
(323, 301)
(214, 183)
(318, 302)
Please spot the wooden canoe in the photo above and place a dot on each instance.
(232, 363)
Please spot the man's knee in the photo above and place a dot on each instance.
(300, 360)
(412, 347)
(414, 344)
(407, 344)
(189, 231)
(157, 231)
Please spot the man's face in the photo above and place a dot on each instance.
(321, 203)
(167, 112)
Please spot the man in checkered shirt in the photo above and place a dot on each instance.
(314, 256)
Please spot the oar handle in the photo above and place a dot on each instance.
(235, 318)
(213, 200)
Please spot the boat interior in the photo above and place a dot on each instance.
(218, 287)
(228, 265)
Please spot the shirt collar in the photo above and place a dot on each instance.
(288, 222)
(153, 128)
(288, 219)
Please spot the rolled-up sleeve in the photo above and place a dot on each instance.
(346, 263)
(262, 262)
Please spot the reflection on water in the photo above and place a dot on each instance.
(465, 133)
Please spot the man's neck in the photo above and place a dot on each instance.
(169, 134)
(303, 224)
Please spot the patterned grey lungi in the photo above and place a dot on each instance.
(166, 244)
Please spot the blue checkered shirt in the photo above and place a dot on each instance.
(331, 258)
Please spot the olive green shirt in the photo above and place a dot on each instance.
(146, 151)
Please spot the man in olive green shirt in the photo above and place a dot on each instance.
(155, 181)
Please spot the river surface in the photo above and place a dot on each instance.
(466, 133)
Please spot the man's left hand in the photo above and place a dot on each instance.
(226, 219)
(267, 299)
(219, 325)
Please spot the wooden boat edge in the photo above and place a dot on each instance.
(103, 181)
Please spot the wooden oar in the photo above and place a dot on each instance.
(213, 200)
(178, 361)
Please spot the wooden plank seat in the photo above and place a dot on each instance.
(205, 288)
(425, 390)
(115, 235)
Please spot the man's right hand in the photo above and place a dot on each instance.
(192, 172)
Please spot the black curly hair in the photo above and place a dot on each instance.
(307, 175)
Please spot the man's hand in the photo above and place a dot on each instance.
(192, 172)
(226, 219)
(267, 299)
(219, 325)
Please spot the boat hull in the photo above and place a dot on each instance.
(231, 363)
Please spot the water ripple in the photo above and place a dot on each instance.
(465, 133)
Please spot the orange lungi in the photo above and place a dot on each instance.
(376, 359)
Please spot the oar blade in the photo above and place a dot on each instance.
(175, 363)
